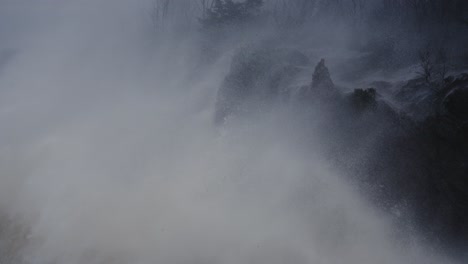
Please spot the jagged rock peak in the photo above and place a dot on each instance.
(322, 84)
(321, 75)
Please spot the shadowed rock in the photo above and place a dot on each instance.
(258, 76)
(322, 86)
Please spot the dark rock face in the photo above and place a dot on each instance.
(456, 100)
(258, 75)
(420, 158)
(421, 100)
(412, 162)
(417, 98)
(322, 86)
(363, 99)
(321, 79)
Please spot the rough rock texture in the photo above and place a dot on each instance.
(455, 100)
(322, 87)
(363, 99)
(258, 76)
(412, 161)
(420, 159)
(322, 83)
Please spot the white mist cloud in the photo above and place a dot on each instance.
(108, 154)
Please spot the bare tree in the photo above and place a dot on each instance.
(426, 64)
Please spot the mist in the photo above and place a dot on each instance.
(112, 148)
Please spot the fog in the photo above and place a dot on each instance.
(109, 154)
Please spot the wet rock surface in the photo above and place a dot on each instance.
(411, 161)
(258, 75)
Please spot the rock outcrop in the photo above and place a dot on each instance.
(257, 76)
(455, 98)
(322, 87)
(414, 159)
